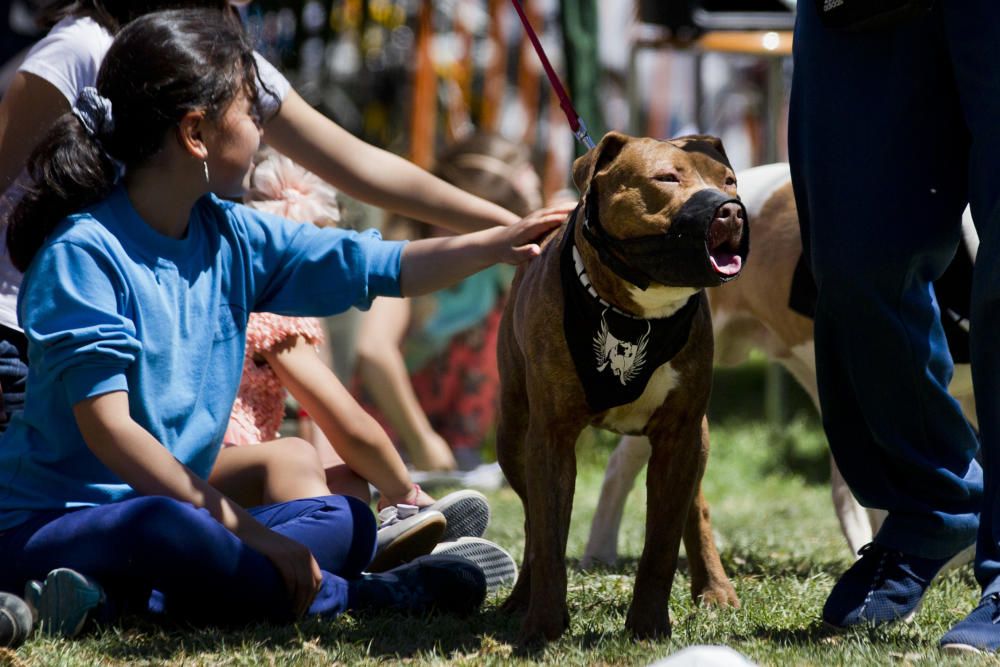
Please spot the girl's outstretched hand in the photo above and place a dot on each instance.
(519, 242)
(435, 263)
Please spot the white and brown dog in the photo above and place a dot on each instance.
(610, 327)
(754, 312)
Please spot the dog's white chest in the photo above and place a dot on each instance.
(632, 418)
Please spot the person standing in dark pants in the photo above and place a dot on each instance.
(892, 130)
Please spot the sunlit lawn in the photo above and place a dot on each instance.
(779, 542)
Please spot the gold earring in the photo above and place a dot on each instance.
(205, 164)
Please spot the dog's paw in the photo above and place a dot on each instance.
(514, 604)
(542, 627)
(519, 598)
(721, 594)
(597, 561)
(648, 626)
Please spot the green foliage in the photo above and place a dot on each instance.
(780, 545)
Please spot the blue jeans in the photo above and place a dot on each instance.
(891, 133)
(198, 570)
(13, 373)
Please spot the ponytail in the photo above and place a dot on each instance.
(69, 171)
(160, 66)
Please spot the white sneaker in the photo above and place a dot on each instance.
(492, 559)
(467, 512)
(403, 534)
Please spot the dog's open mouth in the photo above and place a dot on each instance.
(725, 236)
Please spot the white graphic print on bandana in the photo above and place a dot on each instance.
(625, 359)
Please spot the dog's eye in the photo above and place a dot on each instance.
(667, 178)
(730, 181)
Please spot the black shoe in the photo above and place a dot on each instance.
(430, 583)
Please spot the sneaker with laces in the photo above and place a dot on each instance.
(467, 512)
(64, 601)
(882, 586)
(429, 583)
(403, 534)
(498, 565)
(978, 632)
(15, 620)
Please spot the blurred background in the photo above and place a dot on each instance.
(414, 76)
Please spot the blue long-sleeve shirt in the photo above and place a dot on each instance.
(109, 304)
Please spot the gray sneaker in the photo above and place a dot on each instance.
(63, 602)
(492, 559)
(405, 533)
(15, 620)
(467, 512)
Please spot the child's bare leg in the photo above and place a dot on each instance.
(358, 439)
(339, 476)
(383, 371)
(271, 472)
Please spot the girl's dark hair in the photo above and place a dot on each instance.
(113, 14)
(160, 67)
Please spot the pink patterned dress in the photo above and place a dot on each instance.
(260, 402)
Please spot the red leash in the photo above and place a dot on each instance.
(575, 122)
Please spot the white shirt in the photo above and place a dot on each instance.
(69, 57)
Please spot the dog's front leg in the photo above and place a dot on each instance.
(672, 477)
(709, 582)
(551, 478)
(512, 431)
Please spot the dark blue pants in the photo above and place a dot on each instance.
(13, 373)
(891, 133)
(199, 570)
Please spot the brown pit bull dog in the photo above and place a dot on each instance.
(754, 313)
(610, 327)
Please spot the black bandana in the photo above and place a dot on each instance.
(614, 353)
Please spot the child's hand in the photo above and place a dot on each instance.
(519, 242)
(296, 565)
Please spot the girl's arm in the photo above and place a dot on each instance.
(357, 437)
(27, 110)
(143, 463)
(383, 371)
(374, 175)
(432, 264)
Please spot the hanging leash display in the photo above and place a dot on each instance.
(575, 122)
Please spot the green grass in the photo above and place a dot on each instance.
(780, 545)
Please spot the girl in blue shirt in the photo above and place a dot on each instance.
(134, 301)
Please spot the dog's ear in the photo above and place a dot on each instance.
(705, 144)
(593, 160)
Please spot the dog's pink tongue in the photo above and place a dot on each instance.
(726, 263)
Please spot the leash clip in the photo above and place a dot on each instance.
(582, 135)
